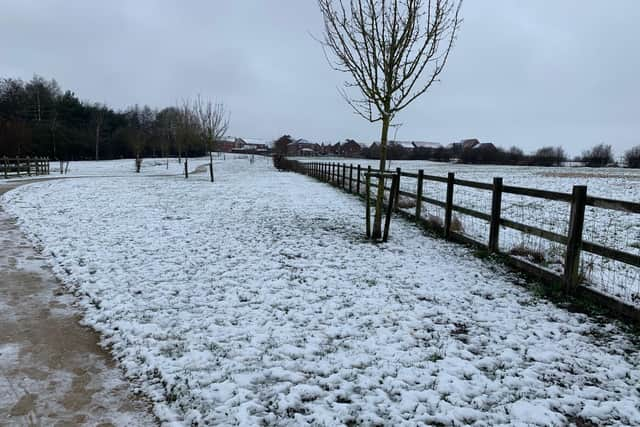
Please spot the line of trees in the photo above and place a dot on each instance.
(38, 118)
(485, 154)
(600, 155)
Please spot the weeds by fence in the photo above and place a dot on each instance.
(498, 218)
(24, 166)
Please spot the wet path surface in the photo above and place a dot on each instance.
(52, 371)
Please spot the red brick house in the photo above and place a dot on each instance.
(350, 149)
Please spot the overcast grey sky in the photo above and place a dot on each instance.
(533, 73)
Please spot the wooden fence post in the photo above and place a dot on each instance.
(186, 168)
(351, 178)
(396, 195)
(395, 186)
(344, 175)
(368, 200)
(18, 165)
(6, 167)
(358, 181)
(28, 166)
(574, 244)
(496, 207)
(448, 212)
(419, 195)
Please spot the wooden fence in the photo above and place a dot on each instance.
(24, 166)
(348, 178)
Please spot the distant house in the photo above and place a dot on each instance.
(350, 148)
(468, 144)
(228, 144)
(458, 148)
(325, 149)
(301, 147)
(250, 146)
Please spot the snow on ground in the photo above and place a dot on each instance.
(124, 167)
(255, 300)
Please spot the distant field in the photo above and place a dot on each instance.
(615, 183)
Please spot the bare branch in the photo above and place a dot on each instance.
(394, 50)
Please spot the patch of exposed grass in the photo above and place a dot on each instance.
(531, 254)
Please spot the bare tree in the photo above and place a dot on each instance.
(394, 50)
(98, 120)
(187, 128)
(214, 123)
(632, 157)
(167, 122)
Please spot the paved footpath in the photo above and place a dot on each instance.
(52, 371)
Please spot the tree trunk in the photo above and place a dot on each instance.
(377, 219)
(211, 164)
(97, 140)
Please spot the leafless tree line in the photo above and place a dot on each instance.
(199, 123)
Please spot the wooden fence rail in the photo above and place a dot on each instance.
(24, 166)
(342, 175)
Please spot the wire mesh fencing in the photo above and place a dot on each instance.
(572, 239)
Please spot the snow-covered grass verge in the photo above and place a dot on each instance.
(255, 300)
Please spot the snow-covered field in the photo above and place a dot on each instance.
(255, 300)
(614, 183)
(112, 168)
(614, 229)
